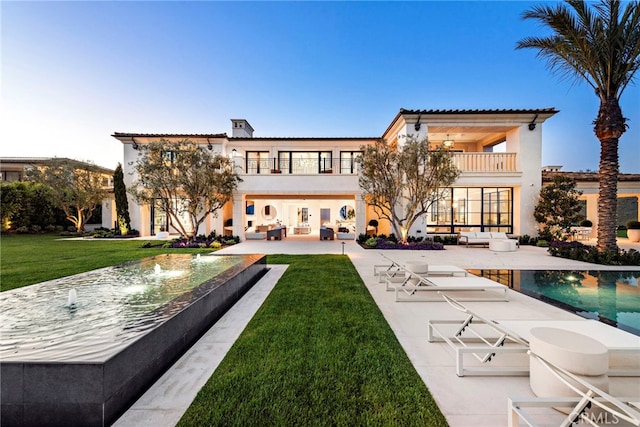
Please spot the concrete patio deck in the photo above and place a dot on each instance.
(465, 401)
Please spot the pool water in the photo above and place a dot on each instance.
(612, 297)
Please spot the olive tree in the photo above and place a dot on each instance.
(401, 182)
(188, 182)
(76, 187)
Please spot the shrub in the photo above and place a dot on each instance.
(362, 237)
(525, 239)
(22, 230)
(372, 242)
(36, 228)
(581, 252)
(633, 225)
(542, 243)
(146, 245)
(50, 228)
(215, 245)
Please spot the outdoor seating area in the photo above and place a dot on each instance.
(492, 342)
(496, 241)
(486, 339)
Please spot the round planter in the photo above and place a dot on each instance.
(633, 235)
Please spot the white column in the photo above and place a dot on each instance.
(239, 201)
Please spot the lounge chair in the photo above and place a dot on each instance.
(414, 287)
(394, 269)
(590, 406)
(485, 339)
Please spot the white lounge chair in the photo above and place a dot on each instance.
(417, 287)
(395, 269)
(590, 406)
(484, 339)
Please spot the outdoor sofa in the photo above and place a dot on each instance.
(483, 238)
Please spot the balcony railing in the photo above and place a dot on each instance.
(301, 166)
(485, 162)
(466, 162)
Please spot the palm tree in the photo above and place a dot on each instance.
(599, 45)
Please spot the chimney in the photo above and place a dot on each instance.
(241, 129)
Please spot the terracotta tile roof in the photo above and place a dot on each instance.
(168, 135)
(304, 138)
(478, 111)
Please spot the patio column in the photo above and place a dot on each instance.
(238, 216)
(361, 215)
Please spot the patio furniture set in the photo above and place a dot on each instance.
(569, 362)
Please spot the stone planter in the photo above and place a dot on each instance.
(633, 235)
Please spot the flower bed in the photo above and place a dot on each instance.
(382, 242)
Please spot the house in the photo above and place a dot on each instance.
(307, 182)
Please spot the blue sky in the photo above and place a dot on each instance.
(75, 72)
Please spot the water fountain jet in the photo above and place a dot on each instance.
(72, 300)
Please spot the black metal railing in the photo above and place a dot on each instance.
(301, 166)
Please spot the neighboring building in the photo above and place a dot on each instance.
(587, 182)
(14, 169)
(306, 182)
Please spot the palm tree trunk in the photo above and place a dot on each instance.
(608, 195)
(609, 126)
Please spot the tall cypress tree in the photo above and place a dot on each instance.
(122, 204)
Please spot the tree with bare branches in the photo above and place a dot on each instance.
(190, 183)
(401, 182)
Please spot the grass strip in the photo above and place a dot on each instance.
(318, 352)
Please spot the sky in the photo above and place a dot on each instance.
(73, 73)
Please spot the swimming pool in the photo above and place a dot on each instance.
(613, 297)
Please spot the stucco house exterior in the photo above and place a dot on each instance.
(307, 182)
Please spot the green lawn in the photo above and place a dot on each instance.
(28, 259)
(318, 351)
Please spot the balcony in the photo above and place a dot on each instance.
(485, 162)
(466, 162)
(297, 166)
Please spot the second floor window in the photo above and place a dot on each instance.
(305, 162)
(348, 164)
(258, 162)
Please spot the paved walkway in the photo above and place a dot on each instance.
(465, 401)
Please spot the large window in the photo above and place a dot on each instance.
(258, 162)
(473, 209)
(348, 161)
(305, 162)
